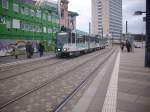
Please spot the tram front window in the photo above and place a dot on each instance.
(62, 38)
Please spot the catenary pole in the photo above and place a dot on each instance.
(147, 47)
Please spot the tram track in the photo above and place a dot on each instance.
(32, 69)
(61, 105)
(25, 64)
(49, 81)
(4, 77)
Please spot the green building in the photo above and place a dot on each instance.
(22, 21)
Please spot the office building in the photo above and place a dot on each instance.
(107, 18)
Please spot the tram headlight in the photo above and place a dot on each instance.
(65, 49)
(58, 49)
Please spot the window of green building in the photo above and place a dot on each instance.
(26, 11)
(30, 27)
(49, 30)
(32, 12)
(54, 30)
(16, 23)
(49, 17)
(5, 4)
(44, 16)
(22, 10)
(26, 26)
(57, 20)
(15, 7)
(44, 29)
(9, 23)
(2, 20)
(38, 29)
(38, 14)
(53, 19)
(33, 28)
(22, 26)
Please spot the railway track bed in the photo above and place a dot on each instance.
(51, 92)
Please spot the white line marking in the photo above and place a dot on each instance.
(110, 102)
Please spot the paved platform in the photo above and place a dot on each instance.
(123, 87)
(102, 89)
(133, 83)
(10, 60)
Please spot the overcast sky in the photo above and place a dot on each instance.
(135, 23)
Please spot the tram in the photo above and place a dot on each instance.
(73, 43)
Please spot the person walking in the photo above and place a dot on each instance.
(41, 49)
(122, 46)
(128, 45)
(29, 49)
(15, 53)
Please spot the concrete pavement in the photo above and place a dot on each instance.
(133, 83)
(124, 87)
(10, 60)
(127, 89)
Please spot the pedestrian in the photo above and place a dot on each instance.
(41, 49)
(15, 53)
(122, 46)
(29, 49)
(128, 45)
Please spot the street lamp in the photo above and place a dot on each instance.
(147, 47)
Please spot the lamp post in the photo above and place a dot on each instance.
(126, 27)
(147, 47)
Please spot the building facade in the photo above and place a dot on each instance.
(72, 20)
(29, 20)
(22, 20)
(64, 13)
(67, 18)
(107, 18)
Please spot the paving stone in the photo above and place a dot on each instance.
(134, 76)
(120, 110)
(127, 97)
(143, 100)
(134, 83)
(132, 107)
(123, 87)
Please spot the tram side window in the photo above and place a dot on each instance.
(73, 37)
(84, 39)
(81, 40)
(87, 39)
(69, 38)
(77, 41)
(92, 39)
(77, 38)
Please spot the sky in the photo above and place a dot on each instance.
(135, 23)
